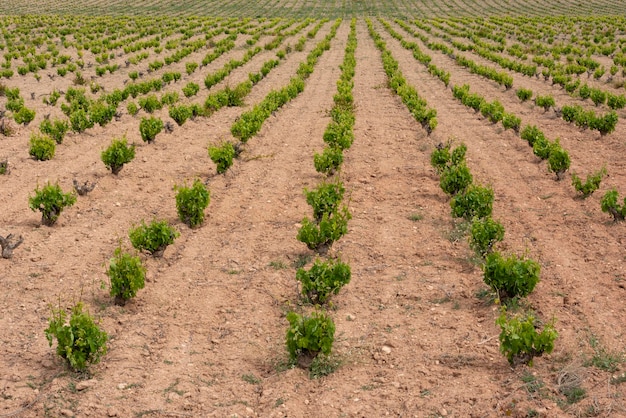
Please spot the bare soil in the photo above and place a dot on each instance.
(206, 337)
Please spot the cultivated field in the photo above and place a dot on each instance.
(415, 328)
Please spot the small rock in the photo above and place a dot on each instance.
(350, 317)
(306, 401)
(249, 410)
(67, 412)
(112, 412)
(386, 349)
(86, 384)
(395, 384)
(122, 386)
(443, 412)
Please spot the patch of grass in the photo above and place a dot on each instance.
(532, 383)
(459, 231)
(602, 358)
(278, 265)
(416, 216)
(323, 366)
(251, 378)
(439, 301)
(569, 381)
(616, 380)
(279, 402)
(574, 394)
(301, 260)
(172, 388)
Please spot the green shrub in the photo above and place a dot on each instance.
(15, 105)
(150, 103)
(440, 157)
(80, 121)
(598, 96)
(190, 67)
(511, 277)
(616, 102)
(132, 108)
(42, 147)
(101, 113)
(117, 154)
(320, 236)
(323, 280)
(532, 134)
(81, 342)
(56, 129)
(153, 238)
(558, 160)
(191, 89)
(494, 111)
(609, 205)
(222, 156)
(524, 94)
(50, 201)
(604, 124)
(484, 233)
(328, 161)
(127, 276)
(455, 178)
(24, 116)
(542, 148)
(545, 101)
(591, 184)
(339, 135)
(520, 342)
(584, 91)
(474, 202)
(570, 113)
(149, 128)
(180, 114)
(191, 203)
(308, 336)
(325, 198)
(169, 98)
(510, 121)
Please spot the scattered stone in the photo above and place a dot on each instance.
(443, 412)
(67, 412)
(122, 386)
(86, 384)
(112, 412)
(386, 349)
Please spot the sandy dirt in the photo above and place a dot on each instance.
(206, 337)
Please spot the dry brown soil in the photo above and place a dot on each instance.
(206, 337)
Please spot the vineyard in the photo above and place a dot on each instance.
(296, 209)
